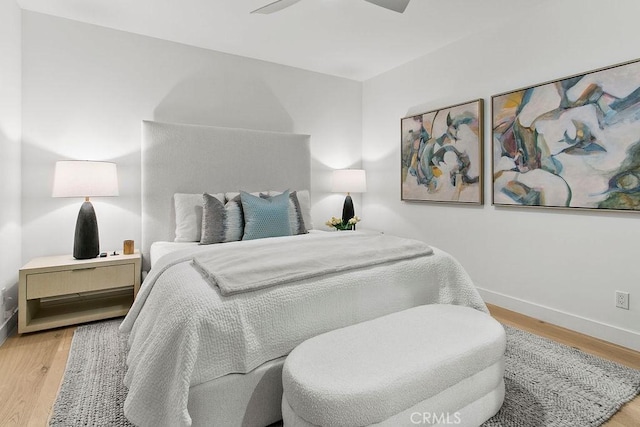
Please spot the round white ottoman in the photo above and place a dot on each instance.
(428, 365)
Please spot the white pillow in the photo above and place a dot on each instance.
(189, 215)
(233, 194)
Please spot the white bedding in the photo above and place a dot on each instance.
(186, 333)
(160, 249)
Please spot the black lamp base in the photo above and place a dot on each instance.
(86, 244)
(347, 210)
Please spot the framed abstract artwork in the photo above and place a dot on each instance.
(570, 143)
(441, 154)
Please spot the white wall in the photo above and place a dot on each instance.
(558, 265)
(87, 89)
(10, 127)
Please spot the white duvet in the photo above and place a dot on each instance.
(183, 332)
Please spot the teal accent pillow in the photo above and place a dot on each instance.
(265, 217)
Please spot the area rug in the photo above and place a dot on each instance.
(547, 384)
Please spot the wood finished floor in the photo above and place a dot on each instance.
(32, 366)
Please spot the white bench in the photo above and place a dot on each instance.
(428, 365)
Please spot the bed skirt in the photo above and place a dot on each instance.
(248, 400)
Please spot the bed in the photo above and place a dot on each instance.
(203, 352)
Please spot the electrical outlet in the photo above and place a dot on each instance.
(622, 300)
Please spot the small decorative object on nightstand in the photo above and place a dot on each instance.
(60, 290)
(127, 247)
(83, 178)
(349, 181)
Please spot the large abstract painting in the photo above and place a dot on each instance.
(571, 143)
(441, 154)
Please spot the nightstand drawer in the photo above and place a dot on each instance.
(42, 285)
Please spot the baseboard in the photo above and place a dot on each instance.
(8, 327)
(593, 328)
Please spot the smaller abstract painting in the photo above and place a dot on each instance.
(570, 143)
(441, 154)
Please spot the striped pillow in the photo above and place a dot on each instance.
(304, 201)
(296, 220)
(221, 223)
(188, 215)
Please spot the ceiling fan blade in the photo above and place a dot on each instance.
(395, 5)
(275, 6)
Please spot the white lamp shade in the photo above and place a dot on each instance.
(84, 178)
(349, 181)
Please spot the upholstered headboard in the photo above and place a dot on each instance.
(180, 158)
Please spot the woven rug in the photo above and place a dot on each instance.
(547, 384)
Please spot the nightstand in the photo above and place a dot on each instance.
(60, 290)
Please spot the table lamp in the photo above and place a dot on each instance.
(349, 181)
(84, 178)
